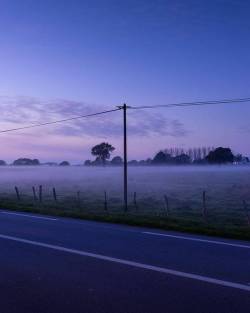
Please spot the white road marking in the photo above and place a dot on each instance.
(131, 263)
(199, 240)
(31, 216)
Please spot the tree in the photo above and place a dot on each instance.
(160, 158)
(204, 152)
(35, 162)
(87, 163)
(190, 154)
(2, 162)
(64, 163)
(97, 162)
(26, 161)
(200, 162)
(220, 155)
(117, 160)
(182, 159)
(149, 161)
(102, 151)
(133, 162)
(238, 158)
(195, 154)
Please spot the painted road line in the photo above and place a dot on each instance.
(131, 263)
(31, 216)
(199, 240)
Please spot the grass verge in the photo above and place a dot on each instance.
(191, 223)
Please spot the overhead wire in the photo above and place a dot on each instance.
(59, 121)
(181, 104)
(195, 103)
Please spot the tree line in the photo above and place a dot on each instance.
(198, 156)
(34, 162)
(170, 156)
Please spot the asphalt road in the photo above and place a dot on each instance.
(63, 265)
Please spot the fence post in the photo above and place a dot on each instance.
(34, 193)
(40, 193)
(17, 193)
(204, 206)
(166, 204)
(105, 201)
(54, 194)
(135, 201)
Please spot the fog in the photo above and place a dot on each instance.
(226, 186)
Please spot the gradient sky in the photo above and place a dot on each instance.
(64, 58)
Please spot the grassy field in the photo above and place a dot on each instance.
(80, 194)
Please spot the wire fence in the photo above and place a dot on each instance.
(210, 208)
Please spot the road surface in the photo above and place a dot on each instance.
(50, 264)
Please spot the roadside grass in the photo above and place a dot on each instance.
(228, 223)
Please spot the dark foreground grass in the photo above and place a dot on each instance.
(221, 224)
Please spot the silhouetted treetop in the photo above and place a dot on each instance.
(102, 151)
(220, 155)
(182, 159)
(64, 163)
(26, 161)
(117, 160)
(160, 158)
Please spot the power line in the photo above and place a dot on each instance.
(58, 121)
(181, 104)
(196, 103)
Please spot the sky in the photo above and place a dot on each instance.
(60, 59)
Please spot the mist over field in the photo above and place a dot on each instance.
(226, 186)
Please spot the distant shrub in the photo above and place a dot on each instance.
(64, 163)
(26, 161)
(117, 160)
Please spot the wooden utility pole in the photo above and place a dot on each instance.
(125, 162)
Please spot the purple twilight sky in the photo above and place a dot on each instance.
(61, 58)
